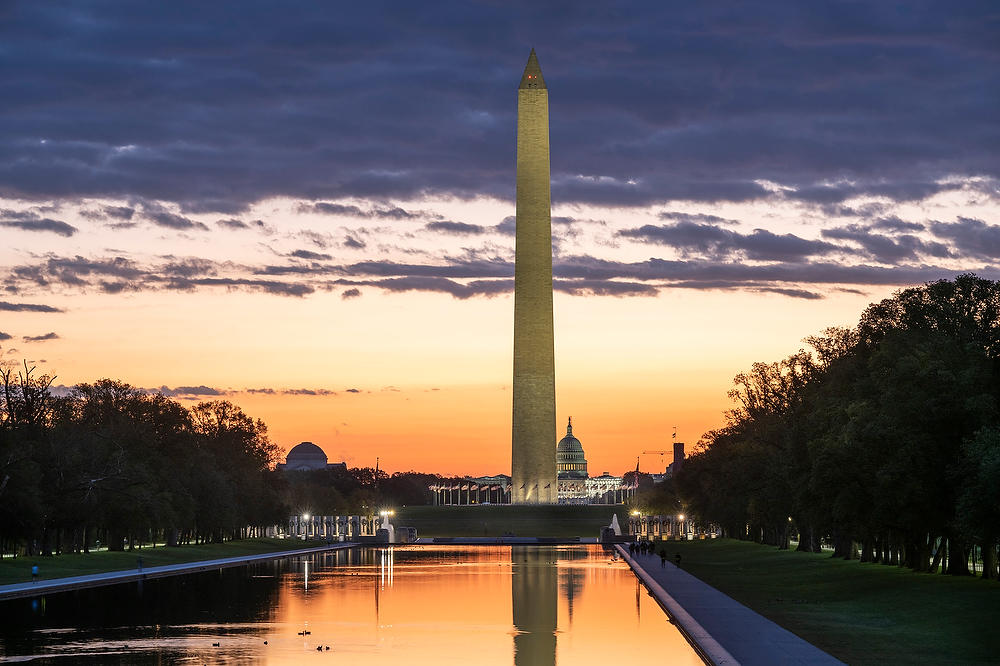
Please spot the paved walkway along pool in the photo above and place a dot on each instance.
(726, 631)
(16, 590)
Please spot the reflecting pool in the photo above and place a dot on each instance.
(530, 605)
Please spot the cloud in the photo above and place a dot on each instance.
(713, 241)
(43, 224)
(351, 293)
(174, 221)
(40, 338)
(277, 288)
(5, 336)
(458, 228)
(311, 256)
(352, 390)
(337, 209)
(213, 122)
(379, 212)
(885, 249)
(232, 224)
(119, 212)
(971, 236)
(694, 218)
(187, 391)
(893, 223)
(27, 307)
(353, 242)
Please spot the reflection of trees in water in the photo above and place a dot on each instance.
(534, 593)
(156, 607)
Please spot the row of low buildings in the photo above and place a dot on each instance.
(576, 486)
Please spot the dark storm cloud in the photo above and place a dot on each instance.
(713, 241)
(27, 307)
(972, 237)
(650, 101)
(5, 336)
(40, 338)
(42, 224)
(458, 228)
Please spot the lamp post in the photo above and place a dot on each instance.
(680, 526)
(305, 524)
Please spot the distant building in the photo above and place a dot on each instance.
(307, 457)
(604, 489)
(571, 468)
(678, 463)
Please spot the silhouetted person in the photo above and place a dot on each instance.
(663, 558)
(677, 560)
(34, 573)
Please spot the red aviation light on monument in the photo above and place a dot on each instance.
(532, 77)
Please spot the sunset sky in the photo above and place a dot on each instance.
(308, 211)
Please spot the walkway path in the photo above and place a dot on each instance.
(724, 630)
(113, 577)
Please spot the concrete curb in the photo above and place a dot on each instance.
(707, 647)
(20, 590)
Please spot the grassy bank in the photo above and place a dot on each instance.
(860, 613)
(18, 570)
(496, 520)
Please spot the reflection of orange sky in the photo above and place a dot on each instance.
(460, 611)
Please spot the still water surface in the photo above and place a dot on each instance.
(530, 605)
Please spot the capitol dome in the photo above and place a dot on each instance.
(570, 460)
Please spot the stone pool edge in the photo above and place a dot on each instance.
(704, 644)
(22, 590)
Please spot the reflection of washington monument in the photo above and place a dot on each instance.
(533, 460)
(534, 590)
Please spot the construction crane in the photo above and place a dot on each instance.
(662, 453)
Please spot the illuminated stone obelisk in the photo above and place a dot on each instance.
(533, 456)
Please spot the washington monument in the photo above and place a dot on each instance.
(533, 457)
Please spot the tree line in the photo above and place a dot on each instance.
(882, 440)
(110, 465)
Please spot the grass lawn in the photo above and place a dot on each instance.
(18, 570)
(860, 613)
(497, 519)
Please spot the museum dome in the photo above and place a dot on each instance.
(305, 456)
(570, 460)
